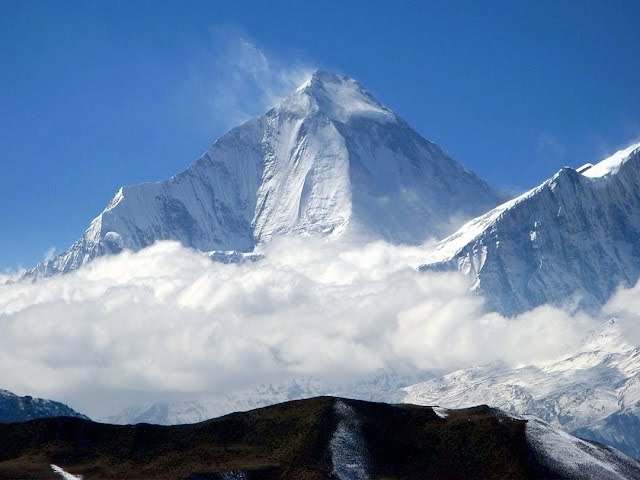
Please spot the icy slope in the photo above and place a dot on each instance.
(570, 242)
(593, 392)
(328, 160)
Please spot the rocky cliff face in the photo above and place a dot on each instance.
(329, 160)
(569, 242)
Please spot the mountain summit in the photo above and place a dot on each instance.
(337, 97)
(329, 160)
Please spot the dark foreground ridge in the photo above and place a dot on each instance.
(320, 438)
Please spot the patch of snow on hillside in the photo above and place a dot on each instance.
(348, 451)
(441, 412)
(65, 475)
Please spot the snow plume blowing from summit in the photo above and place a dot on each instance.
(167, 319)
(237, 79)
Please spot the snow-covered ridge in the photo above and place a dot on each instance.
(574, 457)
(474, 229)
(612, 164)
(329, 160)
(570, 241)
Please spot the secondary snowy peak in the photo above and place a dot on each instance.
(329, 160)
(570, 241)
(14, 408)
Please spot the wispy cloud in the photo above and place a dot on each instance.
(550, 149)
(50, 253)
(238, 79)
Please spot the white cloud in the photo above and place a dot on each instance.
(238, 80)
(625, 305)
(166, 319)
(550, 149)
(10, 276)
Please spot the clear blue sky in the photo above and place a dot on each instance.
(94, 95)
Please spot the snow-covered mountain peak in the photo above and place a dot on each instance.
(14, 408)
(611, 165)
(329, 161)
(337, 97)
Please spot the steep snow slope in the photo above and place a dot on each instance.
(328, 160)
(593, 392)
(570, 242)
(14, 408)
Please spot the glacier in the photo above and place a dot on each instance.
(328, 160)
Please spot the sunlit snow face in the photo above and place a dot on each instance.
(169, 319)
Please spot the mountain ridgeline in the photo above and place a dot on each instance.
(569, 242)
(328, 160)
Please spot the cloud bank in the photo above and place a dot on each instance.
(167, 319)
